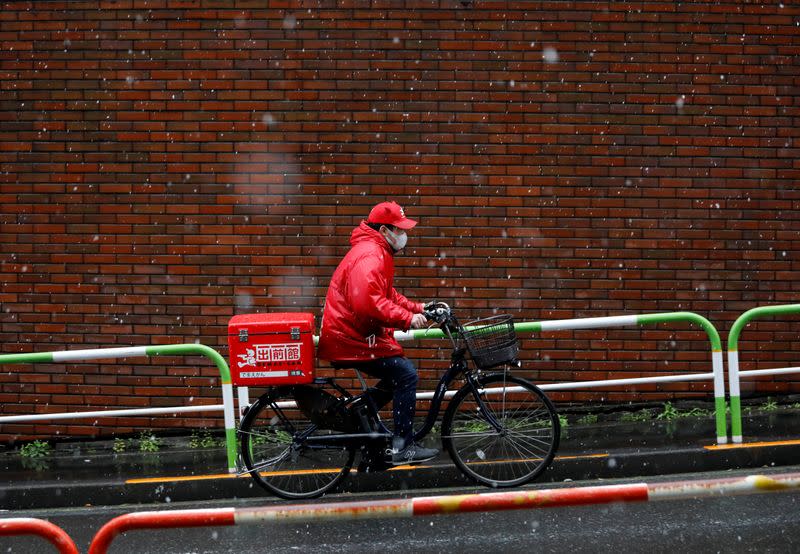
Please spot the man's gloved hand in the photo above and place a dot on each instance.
(437, 311)
(418, 321)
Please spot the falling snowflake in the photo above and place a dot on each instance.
(550, 55)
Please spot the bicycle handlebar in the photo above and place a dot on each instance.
(437, 311)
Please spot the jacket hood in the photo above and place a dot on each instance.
(365, 233)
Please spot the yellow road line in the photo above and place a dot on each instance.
(178, 479)
(147, 480)
(601, 455)
(751, 445)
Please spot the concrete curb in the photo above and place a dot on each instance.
(21, 495)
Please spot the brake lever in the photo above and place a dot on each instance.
(429, 327)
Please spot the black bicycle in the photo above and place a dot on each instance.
(500, 430)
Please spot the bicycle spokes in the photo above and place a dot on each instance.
(504, 435)
(280, 450)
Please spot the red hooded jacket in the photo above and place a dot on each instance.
(362, 309)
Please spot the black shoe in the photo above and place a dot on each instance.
(413, 454)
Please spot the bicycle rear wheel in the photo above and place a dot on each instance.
(515, 453)
(279, 450)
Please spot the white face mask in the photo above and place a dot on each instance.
(396, 240)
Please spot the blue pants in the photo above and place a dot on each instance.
(398, 376)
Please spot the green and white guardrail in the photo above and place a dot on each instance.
(136, 351)
(623, 321)
(523, 327)
(734, 375)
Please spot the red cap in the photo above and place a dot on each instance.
(390, 213)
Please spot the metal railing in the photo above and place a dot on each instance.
(227, 405)
(734, 375)
(31, 526)
(716, 374)
(443, 505)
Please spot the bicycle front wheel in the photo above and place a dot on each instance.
(504, 434)
(279, 449)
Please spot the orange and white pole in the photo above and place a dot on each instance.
(427, 506)
(32, 526)
(160, 520)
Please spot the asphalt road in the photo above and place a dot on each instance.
(756, 523)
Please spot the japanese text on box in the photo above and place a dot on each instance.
(270, 353)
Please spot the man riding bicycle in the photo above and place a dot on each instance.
(362, 310)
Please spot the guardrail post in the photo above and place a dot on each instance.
(161, 350)
(716, 362)
(733, 358)
(227, 388)
(31, 526)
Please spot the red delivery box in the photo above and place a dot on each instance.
(271, 349)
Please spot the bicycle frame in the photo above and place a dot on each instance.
(458, 365)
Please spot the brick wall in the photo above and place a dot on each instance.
(163, 168)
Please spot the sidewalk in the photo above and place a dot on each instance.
(90, 473)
